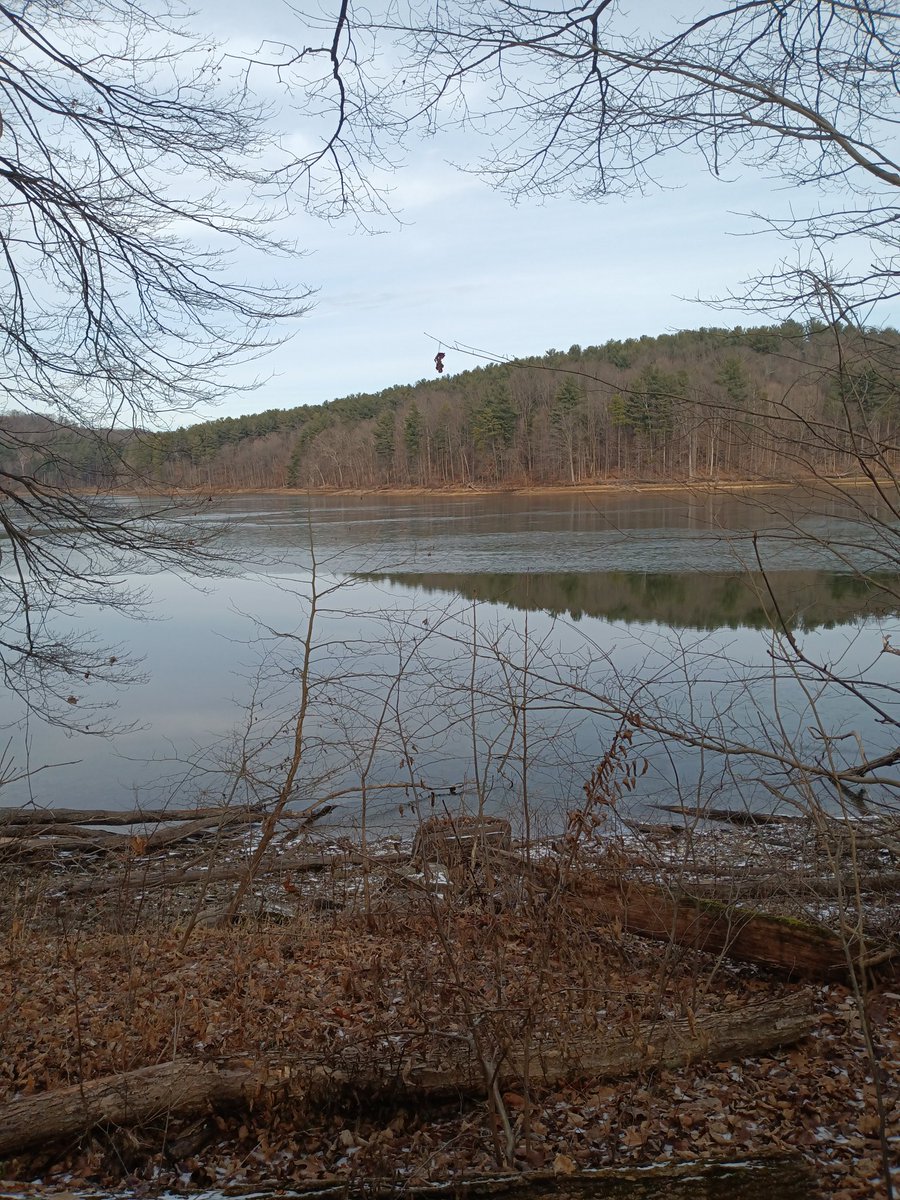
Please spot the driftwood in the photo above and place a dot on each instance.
(184, 830)
(734, 816)
(653, 829)
(32, 834)
(798, 883)
(45, 848)
(799, 949)
(99, 836)
(185, 1088)
(785, 1176)
(43, 841)
(137, 816)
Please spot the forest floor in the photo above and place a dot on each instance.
(342, 968)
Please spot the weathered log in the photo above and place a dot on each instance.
(761, 1177)
(178, 1088)
(799, 884)
(8, 831)
(12, 850)
(654, 829)
(741, 1033)
(29, 815)
(43, 840)
(146, 880)
(164, 835)
(184, 1087)
(137, 816)
(45, 848)
(733, 816)
(170, 835)
(799, 949)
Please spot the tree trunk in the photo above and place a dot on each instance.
(741, 1033)
(178, 1089)
(798, 949)
(804, 884)
(184, 1088)
(138, 816)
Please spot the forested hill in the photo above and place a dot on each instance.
(709, 403)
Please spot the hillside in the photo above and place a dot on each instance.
(701, 404)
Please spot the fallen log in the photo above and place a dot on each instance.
(46, 848)
(137, 816)
(170, 835)
(716, 1037)
(63, 830)
(733, 816)
(31, 816)
(133, 1098)
(802, 884)
(798, 949)
(36, 839)
(761, 1177)
(184, 1088)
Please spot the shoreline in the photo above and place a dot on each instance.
(617, 487)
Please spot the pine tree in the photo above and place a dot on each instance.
(384, 438)
(494, 423)
(735, 381)
(412, 434)
(567, 418)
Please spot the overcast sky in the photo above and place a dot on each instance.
(467, 266)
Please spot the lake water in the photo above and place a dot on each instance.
(485, 648)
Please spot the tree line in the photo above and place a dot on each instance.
(699, 405)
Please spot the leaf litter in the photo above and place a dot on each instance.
(372, 956)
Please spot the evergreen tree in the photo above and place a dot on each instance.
(649, 408)
(412, 433)
(567, 419)
(494, 423)
(868, 390)
(384, 438)
(569, 397)
(735, 381)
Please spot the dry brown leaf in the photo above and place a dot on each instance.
(563, 1165)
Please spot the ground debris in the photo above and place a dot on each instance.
(347, 955)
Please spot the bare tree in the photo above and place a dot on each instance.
(587, 99)
(132, 172)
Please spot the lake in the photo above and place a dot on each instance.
(484, 648)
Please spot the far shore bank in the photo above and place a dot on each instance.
(612, 487)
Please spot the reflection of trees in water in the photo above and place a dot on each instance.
(806, 599)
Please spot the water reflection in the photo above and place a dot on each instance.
(803, 600)
(633, 601)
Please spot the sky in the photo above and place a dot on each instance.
(463, 265)
(467, 267)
